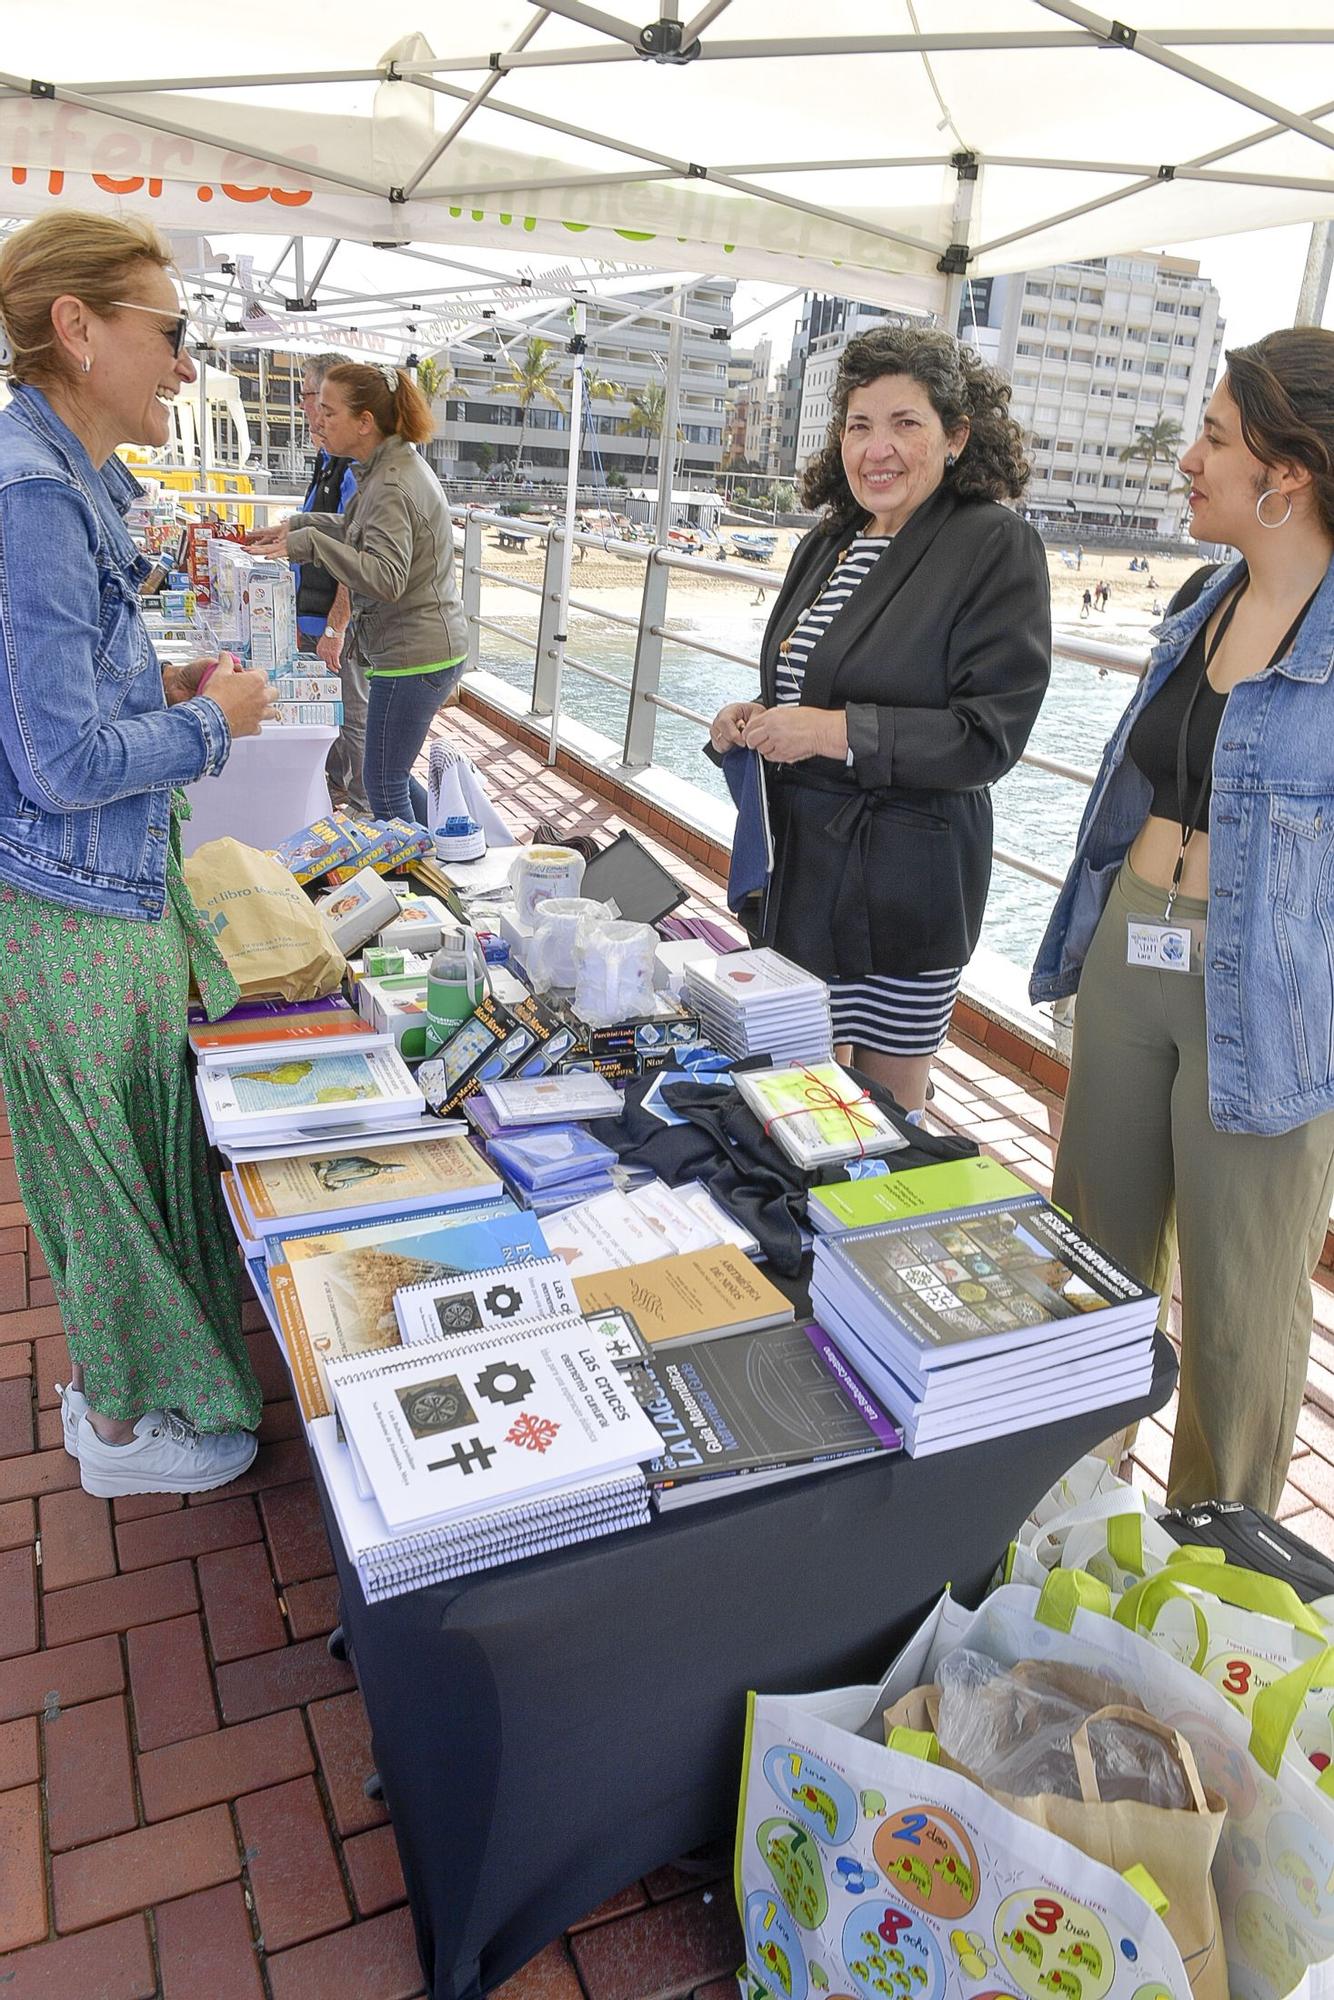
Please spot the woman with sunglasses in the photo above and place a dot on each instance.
(98, 936)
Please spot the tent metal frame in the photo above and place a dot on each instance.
(613, 38)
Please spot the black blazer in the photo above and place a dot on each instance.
(940, 659)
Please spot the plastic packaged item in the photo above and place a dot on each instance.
(459, 839)
(551, 954)
(613, 964)
(541, 872)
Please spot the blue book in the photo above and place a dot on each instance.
(387, 1229)
(547, 1156)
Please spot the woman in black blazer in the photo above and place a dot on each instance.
(903, 667)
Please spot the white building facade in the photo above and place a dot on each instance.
(1098, 354)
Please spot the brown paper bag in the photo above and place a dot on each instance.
(275, 945)
(1176, 1846)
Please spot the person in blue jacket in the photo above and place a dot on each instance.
(1197, 925)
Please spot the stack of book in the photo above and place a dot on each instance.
(888, 1197)
(758, 1003)
(547, 1167)
(480, 1450)
(250, 1099)
(754, 1409)
(324, 1186)
(984, 1320)
(278, 1024)
(817, 1115)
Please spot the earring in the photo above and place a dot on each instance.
(1270, 493)
(87, 364)
(951, 460)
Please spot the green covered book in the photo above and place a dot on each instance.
(916, 1191)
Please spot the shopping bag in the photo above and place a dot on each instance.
(1045, 1742)
(275, 945)
(1273, 1871)
(1241, 1631)
(1111, 1535)
(866, 1873)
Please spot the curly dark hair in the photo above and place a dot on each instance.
(961, 387)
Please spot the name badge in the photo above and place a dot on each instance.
(1162, 947)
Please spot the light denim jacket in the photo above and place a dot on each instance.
(1269, 935)
(89, 750)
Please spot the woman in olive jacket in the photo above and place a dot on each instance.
(902, 669)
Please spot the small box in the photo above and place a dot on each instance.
(419, 926)
(307, 714)
(377, 963)
(355, 910)
(270, 608)
(307, 687)
(399, 1009)
(670, 1026)
(445, 1080)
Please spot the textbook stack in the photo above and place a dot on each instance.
(758, 1003)
(985, 1319)
(481, 1449)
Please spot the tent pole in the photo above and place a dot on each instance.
(667, 437)
(966, 171)
(203, 417)
(1314, 294)
(580, 316)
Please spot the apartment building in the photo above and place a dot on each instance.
(633, 357)
(1099, 354)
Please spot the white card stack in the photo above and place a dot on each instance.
(759, 1003)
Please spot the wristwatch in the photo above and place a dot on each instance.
(332, 632)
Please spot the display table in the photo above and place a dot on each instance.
(271, 786)
(547, 1733)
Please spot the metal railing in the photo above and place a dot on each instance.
(652, 632)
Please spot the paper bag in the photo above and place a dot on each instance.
(275, 945)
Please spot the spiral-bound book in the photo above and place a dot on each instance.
(438, 1309)
(500, 1419)
(389, 1564)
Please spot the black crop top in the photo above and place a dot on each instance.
(1153, 740)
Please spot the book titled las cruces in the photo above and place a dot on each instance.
(471, 1423)
(947, 1288)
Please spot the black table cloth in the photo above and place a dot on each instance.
(549, 1732)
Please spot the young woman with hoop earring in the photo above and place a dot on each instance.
(1197, 924)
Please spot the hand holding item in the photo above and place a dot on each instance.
(244, 695)
(181, 681)
(790, 734)
(725, 731)
(268, 541)
(329, 649)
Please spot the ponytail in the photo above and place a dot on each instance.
(389, 395)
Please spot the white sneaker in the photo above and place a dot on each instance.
(73, 1405)
(166, 1455)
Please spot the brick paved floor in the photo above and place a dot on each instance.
(181, 1762)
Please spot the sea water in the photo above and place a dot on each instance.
(1037, 814)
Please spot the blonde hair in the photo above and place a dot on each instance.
(90, 257)
(400, 408)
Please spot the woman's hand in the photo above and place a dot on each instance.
(725, 731)
(181, 681)
(790, 734)
(268, 541)
(245, 697)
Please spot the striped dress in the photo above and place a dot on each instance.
(894, 1017)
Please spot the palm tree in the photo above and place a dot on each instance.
(648, 414)
(1158, 443)
(437, 379)
(530, 379)
(598, 389)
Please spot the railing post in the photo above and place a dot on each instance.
(641, 716)
(470, 587)
(544, 663)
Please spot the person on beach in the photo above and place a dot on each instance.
(393, 546)
(98, 936)
(1086, 604)
(902, 668)
(1195, 925)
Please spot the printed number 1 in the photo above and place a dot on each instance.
(1044, 1916)
(911, 1829)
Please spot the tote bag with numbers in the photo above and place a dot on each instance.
(864, 1873)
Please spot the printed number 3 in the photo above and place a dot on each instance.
(1238, 1679)
(1044, 1916)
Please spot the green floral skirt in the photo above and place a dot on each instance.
(111, 1156)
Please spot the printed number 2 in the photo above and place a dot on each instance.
(1044, 1915)
(911, 1829)
(894, 1922)
(1238, 1679)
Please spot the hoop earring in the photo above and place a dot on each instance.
(87, 364)
(1269, 494)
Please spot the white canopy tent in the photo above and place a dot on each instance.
(898, 146)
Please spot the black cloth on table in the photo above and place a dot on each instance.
(725, 1146)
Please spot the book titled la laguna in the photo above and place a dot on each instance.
(470, 1423)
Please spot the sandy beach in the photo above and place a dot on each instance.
(614, 584)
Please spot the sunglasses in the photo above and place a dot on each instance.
(175, 334)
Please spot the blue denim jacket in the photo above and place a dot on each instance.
(1269, 936)
(89, 750)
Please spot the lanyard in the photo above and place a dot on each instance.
(1188, 820)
